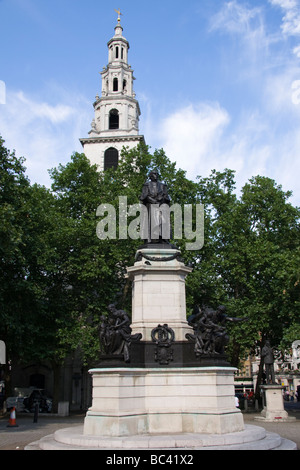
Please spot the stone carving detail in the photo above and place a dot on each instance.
(140, 256)
(115, 333)
(210, 332)
(163, 337)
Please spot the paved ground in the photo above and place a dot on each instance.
(289, 430)
(28, 431)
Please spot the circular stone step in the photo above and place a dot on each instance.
(252, 438)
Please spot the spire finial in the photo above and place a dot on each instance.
(119, 14)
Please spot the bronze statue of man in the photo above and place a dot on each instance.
(156, 223)
(268, 358)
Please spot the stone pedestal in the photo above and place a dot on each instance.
(274, 406)
(163, 401)
(161, 389)
(63, 408)
(164, 396)
(158, 293)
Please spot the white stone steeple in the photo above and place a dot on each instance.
(117, 112)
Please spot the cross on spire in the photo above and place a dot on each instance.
(119, 14)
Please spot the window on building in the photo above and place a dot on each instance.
(114, 119)
(122, 53)
(115, 84)
(117, 52)
(111, 158)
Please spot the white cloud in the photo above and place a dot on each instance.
(296, 92)
(239, 19)
(235, 18)
(296, 51)
(263, 137)
(286, 168)
(2, 92)
(286, 4)
(280, 97)
(31, 110)
(202, 137)
(291, 20)
(191, 134)
(260, 134)
(43, 133)
(252, 48)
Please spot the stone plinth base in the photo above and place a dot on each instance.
(274, 408)
(162, 401)
(158, 292)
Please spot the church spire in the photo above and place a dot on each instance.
(117, 112)
(118, 46)
(118, 28)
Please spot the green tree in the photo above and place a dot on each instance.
(247, 258)
(250, 255)
(14, 187)
(24, 215)
(93, 269)
(33, 296)
(58, 277)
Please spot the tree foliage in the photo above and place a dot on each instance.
(57, 277)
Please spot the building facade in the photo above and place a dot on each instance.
(117, 112)
(286, 368)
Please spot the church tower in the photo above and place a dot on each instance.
(117, 112)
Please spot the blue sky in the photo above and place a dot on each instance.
(218, 81)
